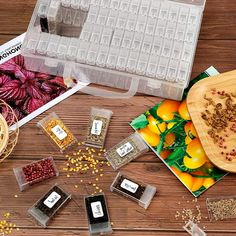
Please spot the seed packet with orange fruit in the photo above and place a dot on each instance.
(168, 130)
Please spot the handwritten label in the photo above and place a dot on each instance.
(97, 209)
(52, 199)
(125, 149)
(129, 185)
(97, 127)
(59, 132)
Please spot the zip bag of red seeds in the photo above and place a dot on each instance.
(35, 172)
(48, 205)
(134, 190)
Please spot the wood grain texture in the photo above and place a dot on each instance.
(216, 47)
(223, 82)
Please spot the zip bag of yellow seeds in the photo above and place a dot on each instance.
(58, 133)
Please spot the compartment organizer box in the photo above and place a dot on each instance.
(137, 45)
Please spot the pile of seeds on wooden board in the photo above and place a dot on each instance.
(220, 117)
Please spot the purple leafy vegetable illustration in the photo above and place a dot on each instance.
(26, 91)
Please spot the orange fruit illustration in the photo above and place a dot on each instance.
(197, 184)
(183, 111)
(165, 153)
(154, 126)
(167, 109)
(150, 137)
(207, 183)
(169, 140)
(187, 179)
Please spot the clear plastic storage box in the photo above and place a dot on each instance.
(98, 126)
(193, 229)
(134, 190)
(98, 216)
(35, 172)
(59, 135)
(221, 208)
(48, 205)
(136, 45)
(127, 150)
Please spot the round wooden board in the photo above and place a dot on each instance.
(4, 134)
(196, 105)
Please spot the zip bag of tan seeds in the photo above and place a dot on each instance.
(98, 126)
(127, 150)
(221, 208)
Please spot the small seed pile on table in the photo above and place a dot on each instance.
(6, 227)
(83, 162)
(194, 213)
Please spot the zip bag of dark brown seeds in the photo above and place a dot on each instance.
(98, 126)
(48, 205)
(221, 208)
(35, 172)
(134, 190)
(97, 213)
(58, 133)
(126, 151)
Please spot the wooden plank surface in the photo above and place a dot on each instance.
(223, 82)
(216, 47)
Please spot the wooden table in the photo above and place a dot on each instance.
(217, 46)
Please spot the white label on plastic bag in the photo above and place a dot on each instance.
(125, 149)
(129, 185)
(52, 199)
(97, 127)
(59, 132)
(97, 209)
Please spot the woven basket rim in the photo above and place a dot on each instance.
(4, 140)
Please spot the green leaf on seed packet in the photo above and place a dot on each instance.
(159, 148)
(178, 154)
(199, 191)
(140, 122)
(153, 112)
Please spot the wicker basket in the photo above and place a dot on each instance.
(8, 137)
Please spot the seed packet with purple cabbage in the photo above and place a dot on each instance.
(168, 130)
(28, 93)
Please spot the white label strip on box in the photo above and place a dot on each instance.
(129, 185)
(59, 132)
(97, 127)
(52, 199)
(125, 149)
(97, 209)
